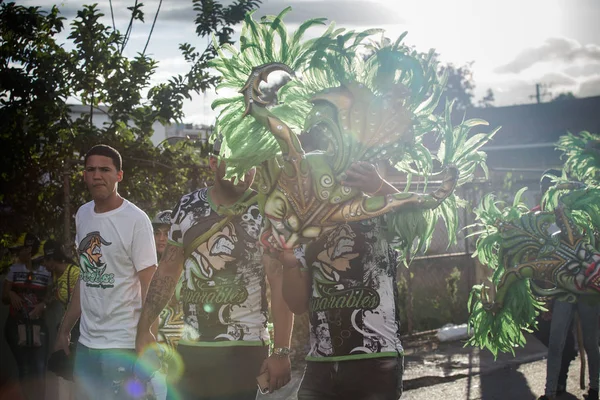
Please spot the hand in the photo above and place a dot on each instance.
(37, 311)
(280, 371)
(288, 258)
(144, 340)
(15, 300)
(363, 176)
(62, 342)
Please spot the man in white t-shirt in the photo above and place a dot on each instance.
(117, 255)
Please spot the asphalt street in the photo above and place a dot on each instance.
(517, 382)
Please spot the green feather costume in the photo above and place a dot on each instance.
(531, 262)
(356, 96)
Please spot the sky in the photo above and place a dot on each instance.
(513, 44)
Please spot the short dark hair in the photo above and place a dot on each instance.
(54, 250)
(106, 151)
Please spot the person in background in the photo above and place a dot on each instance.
(65, 275)
(161, 223)
(569, 353)
(214, 240)
(117, 258)
(170, 321)
(26, 291)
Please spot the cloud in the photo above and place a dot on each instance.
(558, 79)
(343, 12)
(554, 49)
(589, 88)
(583, 70)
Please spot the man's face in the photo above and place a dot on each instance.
(101, 177)
(24, 254)
(161, 234)
(234, 189)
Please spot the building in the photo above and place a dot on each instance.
(162, 133)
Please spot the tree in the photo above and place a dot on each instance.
(488, 99)
(564, 96)
(459, 88)
(42, 145)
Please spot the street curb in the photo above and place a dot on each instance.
(425, 381)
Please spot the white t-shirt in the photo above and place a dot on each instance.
(112, 247)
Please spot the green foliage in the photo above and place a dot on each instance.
(42, 144)
(581, 153)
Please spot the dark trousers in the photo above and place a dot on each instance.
(219, 373)
(365, 379)
(569, 352)
(31, 361)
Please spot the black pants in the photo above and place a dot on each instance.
(569, 353)
(31, 361)
(363, 379)
(219, 373)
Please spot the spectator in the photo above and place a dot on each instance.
(65, 275)
(117, 258)
(26, 291)
(170, 321)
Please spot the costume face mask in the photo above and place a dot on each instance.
(302, 194)
(561, 264)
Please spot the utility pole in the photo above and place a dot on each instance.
(538, 92)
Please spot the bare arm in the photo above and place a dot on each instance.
(71, 316)
(145, 277)
(160, 291)
(73, 312)
(278, 366)
(295, 284)
(283, 318)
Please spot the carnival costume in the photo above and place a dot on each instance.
(532, 263)
(358, 100)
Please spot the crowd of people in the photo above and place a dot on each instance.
(206, 302)
(209, 301)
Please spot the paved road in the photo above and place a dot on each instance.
(522, 382)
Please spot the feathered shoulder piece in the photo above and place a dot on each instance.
(581, 153)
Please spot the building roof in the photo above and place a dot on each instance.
(540, 123)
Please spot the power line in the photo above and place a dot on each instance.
(128, 31)
(152, 28)
(112, 15)
(539, 94)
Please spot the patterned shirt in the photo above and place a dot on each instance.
(353, 309)
(30, 285)
(223, 288)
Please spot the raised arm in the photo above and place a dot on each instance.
(160, 292)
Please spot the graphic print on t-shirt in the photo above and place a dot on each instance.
(352, 304)
(93, 267)
(223, 286)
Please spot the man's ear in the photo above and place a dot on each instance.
(120, 176)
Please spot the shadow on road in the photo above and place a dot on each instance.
(507, 383)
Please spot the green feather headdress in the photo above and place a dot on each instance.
(391, 73)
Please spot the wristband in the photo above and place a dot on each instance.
(281, 352)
